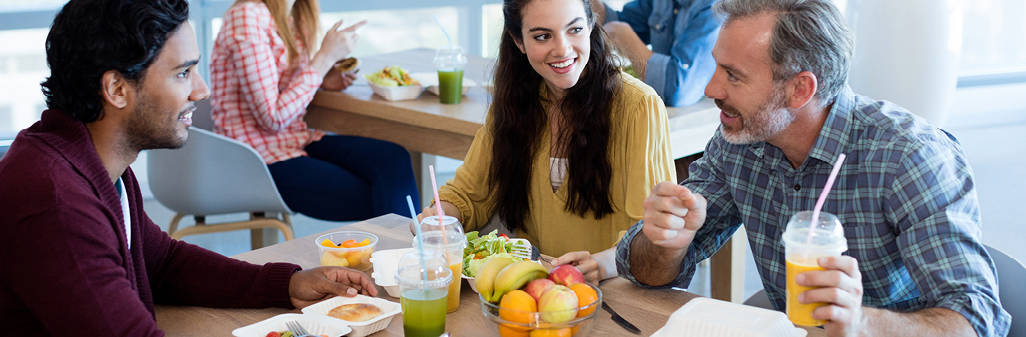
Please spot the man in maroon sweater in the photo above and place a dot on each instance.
(74, 262)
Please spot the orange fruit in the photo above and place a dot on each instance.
(585, 296)
(506, 330)
(349, 243)
(564, 332)
(517, 306)
(363, 243)
(328, 243)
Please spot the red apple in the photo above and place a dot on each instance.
(537, 287)
(566, 275)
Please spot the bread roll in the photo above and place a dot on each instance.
(355, 312)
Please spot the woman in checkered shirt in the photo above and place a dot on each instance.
(264, 72)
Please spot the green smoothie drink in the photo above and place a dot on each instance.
(450, 62)
(424, 281)
(450, 86)
(423, 312)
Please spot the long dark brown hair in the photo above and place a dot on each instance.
(519, 119)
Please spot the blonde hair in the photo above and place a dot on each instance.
(305, 15)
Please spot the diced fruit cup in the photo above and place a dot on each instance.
(346, 249)
(521, 323)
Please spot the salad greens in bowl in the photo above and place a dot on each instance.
(480, 248)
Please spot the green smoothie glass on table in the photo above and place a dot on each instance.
(424, 281)
(450, 62)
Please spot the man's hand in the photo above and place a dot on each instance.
(627, 42)
(673, 215)
(307, 287)
(841, 289)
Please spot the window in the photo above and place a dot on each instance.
(23, 67)
(394, 30)
(993, 37)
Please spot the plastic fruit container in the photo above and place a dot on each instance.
(579, 326)
(351, 249)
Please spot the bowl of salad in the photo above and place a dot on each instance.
(480, 248)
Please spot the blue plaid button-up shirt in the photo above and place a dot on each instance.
(905, 196)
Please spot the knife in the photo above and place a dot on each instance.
(620, 320)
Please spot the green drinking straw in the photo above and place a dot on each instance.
(420, 238)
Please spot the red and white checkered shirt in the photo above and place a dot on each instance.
(258, 98)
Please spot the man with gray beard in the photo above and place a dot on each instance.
(915, 265)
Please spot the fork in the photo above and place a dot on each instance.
(297, 329)
(522, 249)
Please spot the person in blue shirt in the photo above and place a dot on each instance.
(681, 32)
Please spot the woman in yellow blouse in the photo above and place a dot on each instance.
(571, 146)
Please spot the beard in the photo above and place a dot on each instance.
(149, 127)
(768, 120)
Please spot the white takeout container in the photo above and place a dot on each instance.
(713, 318)
(360, 329)
(401, 93)
(314, 324)
(430, 82)
(386, 262)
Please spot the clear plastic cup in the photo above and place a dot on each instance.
(451, 246)
(801, 253)
(423, 299)
(450, 62)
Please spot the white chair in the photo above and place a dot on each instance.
(1011, 278)
(213, 175)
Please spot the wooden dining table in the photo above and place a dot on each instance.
(648, 309)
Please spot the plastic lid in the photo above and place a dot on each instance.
(433, 239)
(828, 230)
(413, 267)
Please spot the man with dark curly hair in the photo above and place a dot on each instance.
(81, 258)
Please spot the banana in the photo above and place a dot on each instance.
(486, 275)
(515, 276)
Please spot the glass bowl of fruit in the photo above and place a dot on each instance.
(546, 305)
(347, 249)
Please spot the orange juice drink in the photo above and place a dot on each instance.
(802, 250)
(451, 246)
(798, 313)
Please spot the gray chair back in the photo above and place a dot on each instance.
(1011, 281)
(213, 174)
(202, 118)
(4, 145)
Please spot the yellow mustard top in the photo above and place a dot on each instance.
(640, 157)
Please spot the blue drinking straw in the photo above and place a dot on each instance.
(420, 238)
(447, 38)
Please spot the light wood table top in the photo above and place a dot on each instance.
(449, 128)
(646, 308)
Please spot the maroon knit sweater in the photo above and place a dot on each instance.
(65, 269)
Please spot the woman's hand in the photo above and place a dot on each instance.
(336, 81)
(337, 44)
(594, 267)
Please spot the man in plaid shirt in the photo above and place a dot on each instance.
(905, 195)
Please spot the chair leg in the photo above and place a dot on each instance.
(256, 224)
(174, 223)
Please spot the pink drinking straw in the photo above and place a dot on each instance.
(438, 209)
(823, 195)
